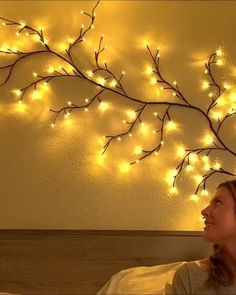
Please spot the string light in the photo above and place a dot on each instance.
(125, 167)
(180, 151)
(103, 106)
(171, 126)
(189, 156)
(204, 85)
(173, 190)
(138, 150)
(36, 94)
(194, 198)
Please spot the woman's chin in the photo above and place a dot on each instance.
(208, 236)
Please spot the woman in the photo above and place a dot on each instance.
(216, 274)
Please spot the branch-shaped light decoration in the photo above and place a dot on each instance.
(110, 82)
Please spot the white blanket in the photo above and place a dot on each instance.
(142, 280)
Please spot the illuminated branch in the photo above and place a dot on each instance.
(111, 83)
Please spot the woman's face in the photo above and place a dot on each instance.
(220, 218)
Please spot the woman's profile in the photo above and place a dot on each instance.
(216, 274)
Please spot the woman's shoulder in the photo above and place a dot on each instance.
(193, 268)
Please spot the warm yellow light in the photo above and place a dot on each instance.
(17, 92)
(67, 115)
(101, 81)
(131, 114)
(44, 86)
(217, 115)
(205, 159)
(86, 100)
(207, 167)
(69, 103)
(119, 138)
(194, 198)
(171, 126)
(113, 83)
(226, 86)
(217, 166)
(198, 178)
(35, 74)
(221, 101)
(204, 85)
(220, 62)
(22, 24)
(208, 139)
(125, 167)
(52, 125)
(232, 96)
(36, 94)
(189, 168)
(204, 192)
(181, 151)
(20, 106)
(173, 190)
(138, 150)
(171, 174)
(71, 40)
(210, 94)
(144, 128)
(219, 52)
(50, 70)
(193, 158)
(100, 159)
(123, 73)
(103, 106)
(153, 80)
(149, 70)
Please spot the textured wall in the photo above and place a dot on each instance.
(53, 178)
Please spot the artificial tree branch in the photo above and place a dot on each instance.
(115, 87)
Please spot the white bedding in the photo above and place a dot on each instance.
(142, 280)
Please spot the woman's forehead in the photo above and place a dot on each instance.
(222, 192)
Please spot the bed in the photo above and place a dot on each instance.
(82, 261)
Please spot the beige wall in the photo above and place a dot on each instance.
(53, 178)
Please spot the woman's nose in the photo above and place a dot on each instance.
(205, 212)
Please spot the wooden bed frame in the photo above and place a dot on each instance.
(81, 261)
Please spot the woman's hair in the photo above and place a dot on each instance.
(219, 271)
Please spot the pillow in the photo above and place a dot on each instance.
(142, 280)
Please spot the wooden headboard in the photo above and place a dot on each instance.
(81, 261)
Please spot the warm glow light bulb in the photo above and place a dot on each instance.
(198, 178)
(17, 92)
(204, 85)
(194, 198)
(138, 150)
(171, 174)
(193, 158)
(103, 106)
(153, 80)
(149, 70)
(208, 139)
(217, 115)
(204, 192)
(113, 83)
(171, 126)
(180, 151)
(36, 94)
(131, 114)
(125, 167)
(219, 52)
(101, 81)
(189, 168)
(173, 190)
